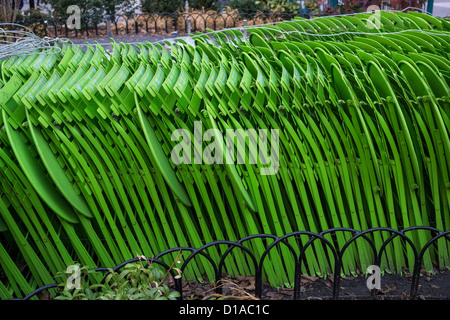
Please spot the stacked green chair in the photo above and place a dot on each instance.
(359, 115)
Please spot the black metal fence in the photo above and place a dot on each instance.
(258, 264)
(155, 23)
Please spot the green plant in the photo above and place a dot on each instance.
(138, 281)
(281, 6)
(162, 6)
(245, 6)
(33, 14)
(313, 6)
(204, 5)
(170, 6)
(32, 18)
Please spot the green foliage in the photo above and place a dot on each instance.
(170, 6)
(166, 6)
(113, 7)
(204, 4)
(137, 281)
(312, 6)
(281, 6)
(32, 18)
(31, 14)
(245, 6)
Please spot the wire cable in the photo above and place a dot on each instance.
(15, 42)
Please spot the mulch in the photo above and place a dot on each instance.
(435, 286)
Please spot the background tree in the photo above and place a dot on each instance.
(169, 6)
(160, 6)
(204, 4)
(8, 10)
(281, 6)
(245, 6)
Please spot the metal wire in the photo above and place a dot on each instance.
(17, 42)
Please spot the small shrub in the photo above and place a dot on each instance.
(204, 4)
(281, 6)
(165, 6)
(245, 6)
(137, 281)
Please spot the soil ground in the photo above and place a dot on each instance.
(434, 286)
